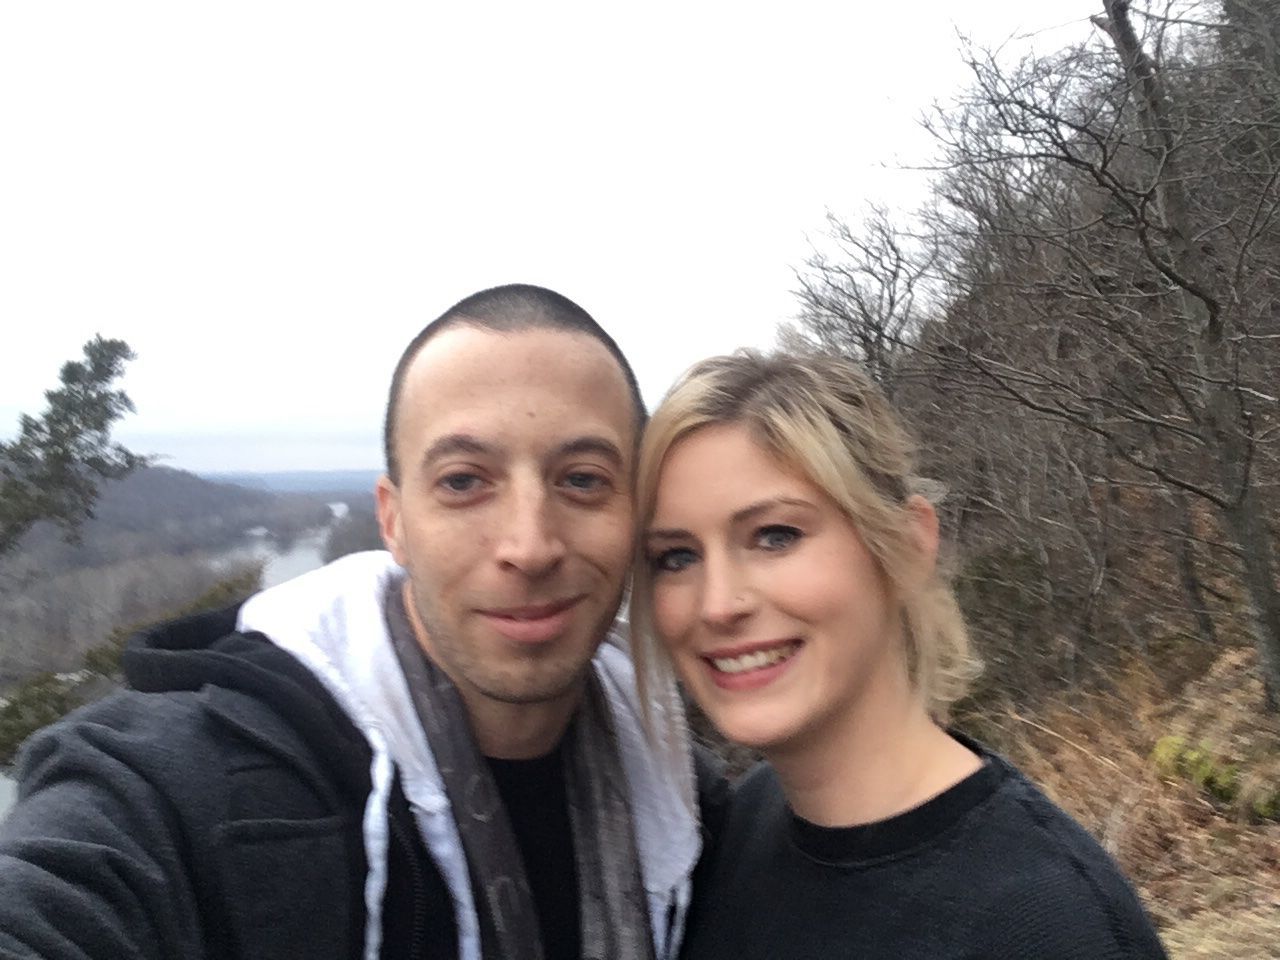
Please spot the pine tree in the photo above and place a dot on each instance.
(53, 470)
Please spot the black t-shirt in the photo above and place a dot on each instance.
(537, 803)
(988, 870)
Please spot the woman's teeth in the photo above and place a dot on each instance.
(754, 661)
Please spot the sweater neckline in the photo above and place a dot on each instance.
(900, 833)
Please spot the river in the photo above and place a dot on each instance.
(305, 553)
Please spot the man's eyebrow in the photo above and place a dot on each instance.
(736, 518)
(457, 443)
(598, 445)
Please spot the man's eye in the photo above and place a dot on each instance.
(672, 561)
(777, 537)
(585, 482)
(459, 482)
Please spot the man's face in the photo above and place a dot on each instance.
(513, 513)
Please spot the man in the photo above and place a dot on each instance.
(431, 757)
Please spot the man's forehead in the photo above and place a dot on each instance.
(507, 388)
(468, 352)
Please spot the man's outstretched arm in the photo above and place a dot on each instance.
(92, 854)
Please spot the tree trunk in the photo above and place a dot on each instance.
(1188, 575)
(1225, 427)
(1250, 532)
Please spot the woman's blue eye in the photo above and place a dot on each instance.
(673, 561)
(777, 537)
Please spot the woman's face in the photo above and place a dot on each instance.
(776, 615)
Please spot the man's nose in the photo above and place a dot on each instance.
(531, 541)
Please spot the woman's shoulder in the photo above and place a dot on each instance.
(1038, 837)
(757, 797)
(754, 792)
(1061, 895)
(758, 783)
(738, 816)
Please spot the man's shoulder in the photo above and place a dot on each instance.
(176, 803)
(209, 756)
(142, 716)
(188, 703)
(130, 749)
(165, 730)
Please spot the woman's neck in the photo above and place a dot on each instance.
(882, 757)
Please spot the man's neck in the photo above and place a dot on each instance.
(518, 731)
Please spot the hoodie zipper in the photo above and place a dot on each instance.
(417, 939)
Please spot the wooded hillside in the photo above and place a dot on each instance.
(1083, 328)
(151, 545)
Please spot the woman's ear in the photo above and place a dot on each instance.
(924, 524)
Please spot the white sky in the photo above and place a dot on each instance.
(268, 199)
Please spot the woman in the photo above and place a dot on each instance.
(788, 568)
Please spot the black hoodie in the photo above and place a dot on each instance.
(214, 810)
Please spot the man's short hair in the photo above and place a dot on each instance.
(513, 308)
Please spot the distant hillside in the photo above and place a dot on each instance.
(159, 538)
(159, 510)
(303, 481)
(157, 494)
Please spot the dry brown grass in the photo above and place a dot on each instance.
(1208, 935)
(1210, 878)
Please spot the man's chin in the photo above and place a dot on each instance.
(540, 686)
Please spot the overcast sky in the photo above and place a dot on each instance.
(268, 199)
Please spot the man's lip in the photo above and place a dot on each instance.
(532, 611)
(533, 624)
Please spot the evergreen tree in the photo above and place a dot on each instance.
(53, 469)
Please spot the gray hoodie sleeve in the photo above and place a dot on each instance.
(91, 855)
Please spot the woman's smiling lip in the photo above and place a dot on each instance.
(533, 624)
(749, 666)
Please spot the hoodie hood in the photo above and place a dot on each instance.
(204, 652)
(332, 621)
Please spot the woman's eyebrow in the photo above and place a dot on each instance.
(738, 517)
(763, 506)
(667, 535)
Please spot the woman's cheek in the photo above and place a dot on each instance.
(670, 613)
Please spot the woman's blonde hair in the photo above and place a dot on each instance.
(823, 417)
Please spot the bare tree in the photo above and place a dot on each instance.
(1108, 221)
(863, 294)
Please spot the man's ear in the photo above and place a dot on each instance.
(924, 523)
(387, 495)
